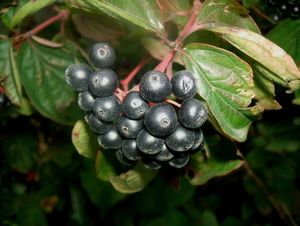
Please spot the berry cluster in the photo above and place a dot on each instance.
(143, 125)
(280, 9)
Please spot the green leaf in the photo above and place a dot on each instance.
(97, 28)
(207, 170)
(208, 218)
(222, 160)
(134, 180)
(158, 49)
(176, 10)
(84, 140)
(225, 82)
(27, 9)
(143, 13)
(31, 214)
(10, 78)
(227, 13)
(265, 52)
(297, 97)
(265, 92)
(290, 42)
(101, 193)
(104, 166)
(43, 79)
(20, 151)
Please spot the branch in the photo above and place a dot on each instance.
(125, 82)
(62, 15)
(192, 20)
(282, 211)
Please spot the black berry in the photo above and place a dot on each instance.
(181, 139)
(199, 140)
(134, 106)
(96, 125)
(165, 155)
(149, 144)
(184, 85)
(111, 139)
(192, 113)
(103, 83)
(102, 55)
(107, 109)
(179, 161)
(77, 76)
(161, 119)
(122, 159)
(151, 164)
(130, 128)
(86, 101)
(155, 86)
(130, 150)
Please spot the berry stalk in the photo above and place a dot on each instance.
(62, 15)
(125, 82)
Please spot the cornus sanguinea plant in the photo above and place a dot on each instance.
(141, 124)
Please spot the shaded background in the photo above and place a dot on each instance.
(43, 180)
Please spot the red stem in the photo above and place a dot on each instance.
(165, 62)
(179, 41)
(173, 102)
(60, 16)
(195, 11)
(125, 82)
(170, 70)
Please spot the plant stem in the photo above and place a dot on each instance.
(192, 20)
(165, 62)
(173, 102)
(182, 35)
(60, 16)
(281, 209)
(125, 82)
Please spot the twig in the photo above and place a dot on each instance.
(125, 82)
(283, 212)
(60, 16)
(261, 14)
(173, 103)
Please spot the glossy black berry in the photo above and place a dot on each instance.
(103, 83)
(130, 150)
(96, 125)
(107, 109)
(199, 140)
(122, 159)
(151, 164)
(134, 106)
(77, 76)
(149, 144)
(282, 9)
(86, 101)
(102, 55)
(192, 113)
(130, 128)
(294, 11)
(4, 102)
(165, 155)
(183, 85)
(275, 17)
(179, 161)
(155, 86)
(161, 119)
(111, 139)
(181, 139)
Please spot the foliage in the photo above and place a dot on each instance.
(243, 76)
